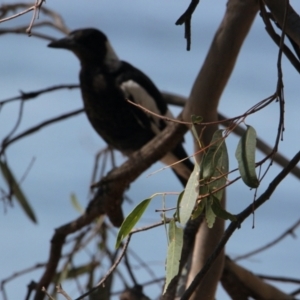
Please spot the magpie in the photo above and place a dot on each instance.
(106, 83)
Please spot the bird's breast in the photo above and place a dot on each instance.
(113, 118)
(99, 83)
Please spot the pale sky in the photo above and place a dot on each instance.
(144, 34)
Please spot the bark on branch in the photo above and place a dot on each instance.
(242, 284)
(292, 26)
(203, 101)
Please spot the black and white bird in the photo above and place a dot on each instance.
(106, 82)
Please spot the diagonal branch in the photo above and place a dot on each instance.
(240, 284)
(289, 231)
(292, 27)
(109, 197)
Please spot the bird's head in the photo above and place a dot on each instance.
(90, 46)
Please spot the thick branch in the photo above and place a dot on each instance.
(220, 60)
(292, 26)
(203, 101)
(242, 284)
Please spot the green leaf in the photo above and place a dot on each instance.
(177, 213)
(190, 195)
(221, 171)
(76, 203)
(212, 156)
(196, 119)
(195, 134)
(16, 190)
(209, 213)
(220, 211)
(131, 220)
(174, 252)
(199, 209)
(245, 155)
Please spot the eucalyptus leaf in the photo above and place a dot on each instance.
(174, 252)
(17, 191)
(221, 171)
(245, 155)
(131, 220)
(177, 214)
(196, 119)
(220, 211)
(190, 195)
(210, 216)
(212, 156)
(198, 210)
(76, 203)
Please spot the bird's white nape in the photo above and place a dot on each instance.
(111, 59)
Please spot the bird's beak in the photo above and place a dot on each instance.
(64, 43)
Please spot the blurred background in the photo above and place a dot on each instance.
(144, 34)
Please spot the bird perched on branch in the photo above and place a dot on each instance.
(106, 83)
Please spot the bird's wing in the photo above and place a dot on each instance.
(139, 95)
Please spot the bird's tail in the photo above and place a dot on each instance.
(181, 165)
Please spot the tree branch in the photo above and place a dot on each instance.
(203, 101)
(242, 284)
(292, 27)
(108, 200)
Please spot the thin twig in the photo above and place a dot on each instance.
(143, 264)
(129, 269)
(31, 130)
(279, 278)
(31, 95)
(17, 123)
(158, 115)
(60, 290)
(56, 22)
(185, 19)
(276, 38)
(23, 177)
(45, 291)
(289, 231)
(17, 15)
(110, 271)
(114, 266)
(20, 273)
